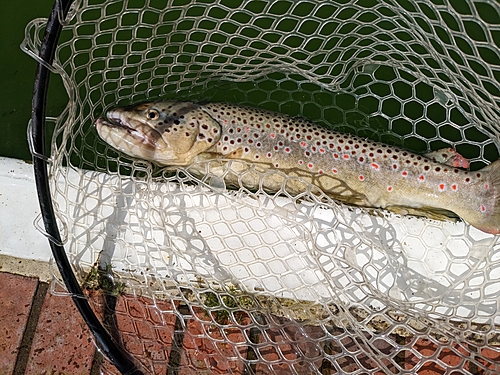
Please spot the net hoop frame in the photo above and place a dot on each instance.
(36, 139)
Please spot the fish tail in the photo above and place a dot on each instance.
(486, 216)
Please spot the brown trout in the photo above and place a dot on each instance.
(348, 168)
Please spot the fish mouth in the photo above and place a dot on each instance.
(117, 121)
(114, 120)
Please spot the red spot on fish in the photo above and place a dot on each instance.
(303, 144)
(336, 156)
(442, 187)
(394, 166)
(287, 150)
(361, 178)
(421, 178)
(269, 155)
(272, 135)
(301, 162)
(375, 166)
(310, 165)
(346, 157)
(404, 174)
(486, 186)
(389, 188)
(320, 171)
(454, 187)
(322, 150)
(334, 171)
(483, 208)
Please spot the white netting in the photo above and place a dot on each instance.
(288, 284)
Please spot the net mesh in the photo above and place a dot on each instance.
(232, 281)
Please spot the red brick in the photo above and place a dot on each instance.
(62, 343)
(209, 346)
(290, 347)
(452, 357)
(16, 296)
(490, 359)
(146, 328)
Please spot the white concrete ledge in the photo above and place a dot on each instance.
(18, 209)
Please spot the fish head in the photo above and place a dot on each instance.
(166, 132)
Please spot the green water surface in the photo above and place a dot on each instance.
(17, 71)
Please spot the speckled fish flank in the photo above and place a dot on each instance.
(346, 167)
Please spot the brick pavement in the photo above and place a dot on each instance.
(42, 333)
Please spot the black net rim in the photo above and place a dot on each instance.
(117, 355)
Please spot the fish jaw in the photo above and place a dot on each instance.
(133, 138)
(168, 133)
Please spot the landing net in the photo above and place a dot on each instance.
(272, 284)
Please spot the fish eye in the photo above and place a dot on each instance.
(153, 114)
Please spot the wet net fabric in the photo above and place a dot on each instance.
(281, 283)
